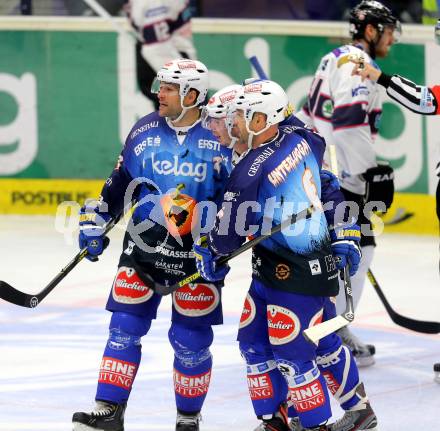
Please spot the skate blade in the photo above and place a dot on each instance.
(81, 427)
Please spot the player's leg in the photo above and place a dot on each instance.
(195, 309)
(287, 315)
(363, 353)
(267, 386)
(134, 305)
(337, 365)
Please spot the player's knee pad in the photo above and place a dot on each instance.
(126, 329)
(191, 345)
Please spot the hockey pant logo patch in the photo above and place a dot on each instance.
(248, 313)
(191, 386)
(196, 300)
(284, 325)
(116, 372)
(317, 318)
(128, 288)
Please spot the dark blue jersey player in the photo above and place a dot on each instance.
(294, 272)
(169, 165)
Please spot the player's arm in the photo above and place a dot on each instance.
(95, 215)
(230, 229)
(417, 98)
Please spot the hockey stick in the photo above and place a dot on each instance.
(302, 215)
(400, 215)
(14, 296)
(315, 333)
(422, 326)
(257, 66)
(102, 12)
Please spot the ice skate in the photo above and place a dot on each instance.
(363, 353)
(187, 422)
(105, 417)
(295, 425)
(437, 372)
(278, 421)
(358, 419)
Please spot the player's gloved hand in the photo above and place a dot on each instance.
(329, 179)
(345, 247)
(380, 184)
(91, 231)
(206, 261)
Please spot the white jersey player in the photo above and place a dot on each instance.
(346, 111)
(164, 33)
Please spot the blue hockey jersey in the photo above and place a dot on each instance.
(168, 180)
(278, 179)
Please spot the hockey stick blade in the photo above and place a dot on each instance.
(422, 326)
(400, 216)
(17, 297)
(316, 332)
(302, 215)
(14, 296)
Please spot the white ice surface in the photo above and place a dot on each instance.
(49, 356)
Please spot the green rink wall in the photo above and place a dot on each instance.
(68, 93)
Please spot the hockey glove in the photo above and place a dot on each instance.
(91, 234)
(345, 247)
(380, 185)
(329, 180)
(206, 261)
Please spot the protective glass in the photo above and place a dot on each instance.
(397, 32)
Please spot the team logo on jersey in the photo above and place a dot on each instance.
(315, 267)
(191, 386)
(260, 386)
(327, 108)
(307, 397)
(196, 300)
(185, 169)
(248, 313)
(284, 325)
(282, 271)
(317, 318)
(128, 288)
(180, 211)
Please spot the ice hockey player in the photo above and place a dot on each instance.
(164, 33)
(346, 111)
(294, 273)
(417, 98)
(177, 163)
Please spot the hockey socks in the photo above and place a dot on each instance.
(192, 365)
(121, 358)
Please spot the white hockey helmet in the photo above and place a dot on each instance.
(266, 97)
(217, 106)
(188, 74)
